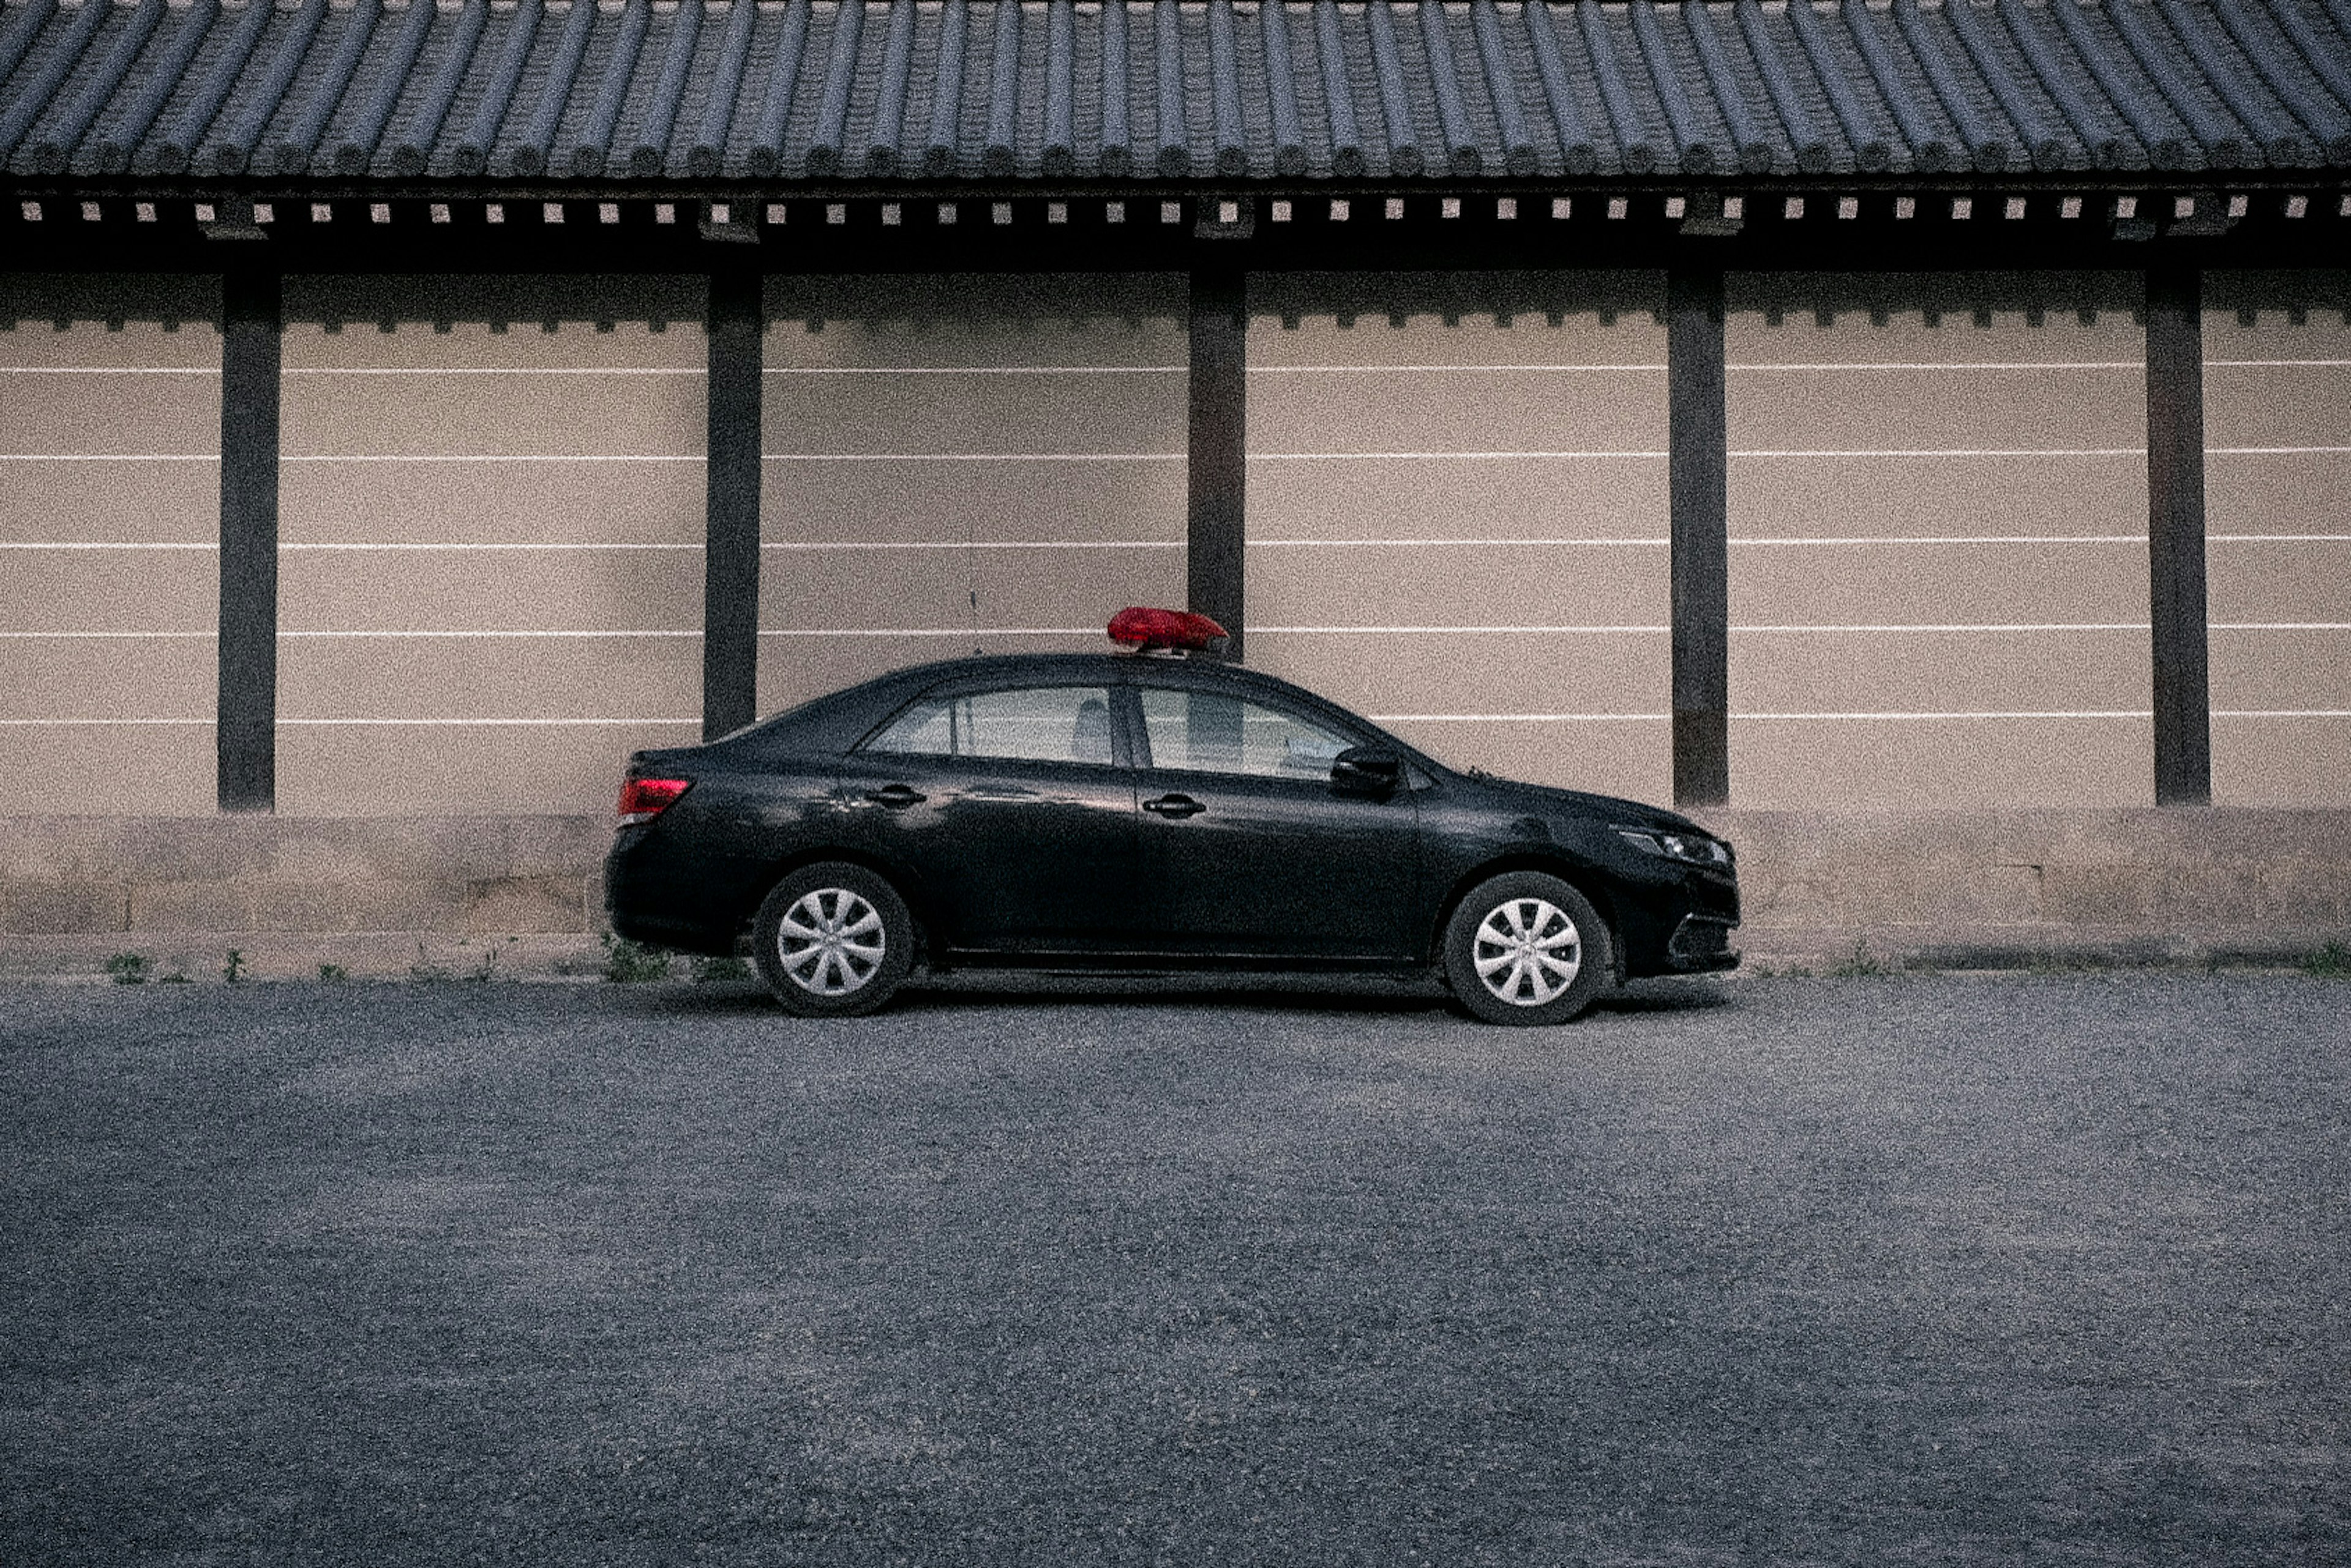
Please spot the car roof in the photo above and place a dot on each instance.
(1124, 667)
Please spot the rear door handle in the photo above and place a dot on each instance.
(1178, 806)
(897, 797)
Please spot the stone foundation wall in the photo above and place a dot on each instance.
(514, 894)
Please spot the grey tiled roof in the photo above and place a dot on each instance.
(1205, 89)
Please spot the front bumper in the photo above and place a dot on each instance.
(1701, 945)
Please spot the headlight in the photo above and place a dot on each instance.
(1695, 849)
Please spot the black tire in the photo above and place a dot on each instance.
(845, 911)
(1538, 922)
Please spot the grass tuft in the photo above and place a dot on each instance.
(333, 974)
(2331, 962)
(233, 970)
(1863, 963)
(628, 963)
(129, 968)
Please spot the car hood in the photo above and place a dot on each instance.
(1613, 809)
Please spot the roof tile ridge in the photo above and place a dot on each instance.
(555, 92)
(17, 119)
(2163, 150)
(708, 153)
(1871, 152)
(1338, 91)
(1519, 156)
(1578, 155)
(414, 150)
(649, 148)
(1281, 90)
(827, 146)
(159, 81)
(175, 150)
(357, 148)
(473, 152)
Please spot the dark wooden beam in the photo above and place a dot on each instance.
(2175, 537)
(1699, 470)
(730, 603)
(1217, 477)
(247, 727)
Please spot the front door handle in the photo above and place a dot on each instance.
(897, 797)
(1175, 806)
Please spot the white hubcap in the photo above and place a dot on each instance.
(831, 942)
(1527, 952)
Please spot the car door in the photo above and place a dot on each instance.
(1012, 809)
(1246, 848)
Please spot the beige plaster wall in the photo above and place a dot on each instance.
(2277, 432)
(988, 466)
(1938, 543)
(1458, 521)
(490, 590)
(109, 566)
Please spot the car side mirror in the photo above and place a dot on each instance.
(1368, 770)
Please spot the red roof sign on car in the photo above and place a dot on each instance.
(1144, 631)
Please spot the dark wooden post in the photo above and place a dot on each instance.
(1699, 468)
(730, 603)
(2175, 537)
(1219, 473)
(245, 731)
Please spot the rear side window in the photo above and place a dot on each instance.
(1037, 724)
(1210, 732)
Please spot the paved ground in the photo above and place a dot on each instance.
(1928, 1271)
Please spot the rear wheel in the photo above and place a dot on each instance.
(1526, 948)
(833, 940)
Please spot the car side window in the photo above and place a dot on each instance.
(1211, 732)
(1037, 724)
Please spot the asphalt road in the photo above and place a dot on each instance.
(1896, 1271)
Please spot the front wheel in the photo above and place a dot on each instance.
(1526, 948)
(833, 940)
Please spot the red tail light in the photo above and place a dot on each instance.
(1147, 631)
(642, 799)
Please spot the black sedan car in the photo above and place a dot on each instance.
(1140, 813)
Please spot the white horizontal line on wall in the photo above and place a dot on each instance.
(1464, 370)
(205, 636)
(975, 369)
(110, 370)
(2273, 364)
(2276, 451)
(103, 544)
(1941, 365)
(1941, 451)
(565, 545)
(1464, 457)
(971, 457)
(1967, 626)
(1447, 631)
(290, 634)
(437, 371)
(1952, 540)
(1519, 717)
(109, 456)
(2281, 626)
(2281, 712)
(973, 543)
(488, 722)
(946, 631)
(79, 723)
(1392, 544)
(2072, 712)
(2279, 539)
(495, 457)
